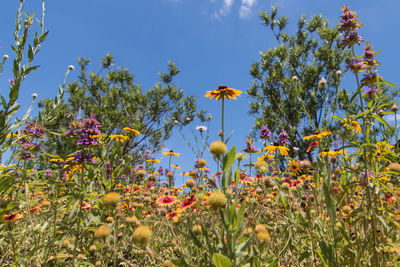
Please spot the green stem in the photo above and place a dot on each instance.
(358, 84)
(222, 124)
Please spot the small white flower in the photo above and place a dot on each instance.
(322, 82)
(5, 57)
(71, 67)
(294, 78)
(201, 128)
(339, 72)
(34, 95)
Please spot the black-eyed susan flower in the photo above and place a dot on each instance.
(383, 147)
(153, 160)
(317, 135)
(119, 137)
(171, 153)
(176, 167)
(273, 148)
(131, 131)
(223, 92)
(352, 125)
(332, 153)
(294, 166)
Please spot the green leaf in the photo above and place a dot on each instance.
(229, 158)
(43, 36)
(327, 251)
(28, 70)
(220, 260)
(381, 120)
(330, 205)
(237, 176)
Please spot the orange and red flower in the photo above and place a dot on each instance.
(166, 200)
(12, 217)
(172, 214)
(187, 203)
(312, 146)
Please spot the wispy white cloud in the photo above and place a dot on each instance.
(224, 10)
(246, 7)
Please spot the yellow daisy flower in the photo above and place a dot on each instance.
(119, 137)
(170, 153)
(131, 130)
(317, 135)
(223, 92)
(352, 124)
(273, 148)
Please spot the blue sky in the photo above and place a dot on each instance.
(213, 42)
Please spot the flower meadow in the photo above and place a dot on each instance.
(98, 202)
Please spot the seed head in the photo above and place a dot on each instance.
(322, 82)
(197, 229)
(259, 228)
(218, 148)
(268, 182)
(201, 163)
(142, 235)
(111, 199)
(285, 186)
(102, 232)
(190, 183)
(217, 200)
(263, 237)
(132, 220)
(260, 164)
(141, 173)
(394, 167)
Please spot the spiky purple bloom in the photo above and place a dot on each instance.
(250, 148)
(35, 130)
(370, 92)
(80, 157)
(48, 173)
(283, 137)
(86, 131)
(351, 39)
(370, 79)
(348, 20)
(369, 57)
(25, 155)
(146, 154)
(265, 133)
(160, 170)
(356, 65)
